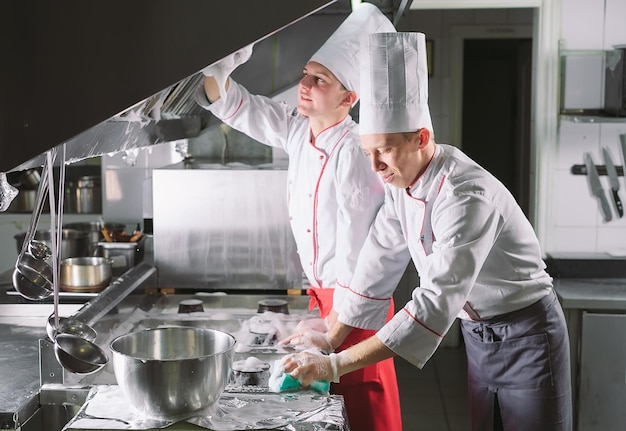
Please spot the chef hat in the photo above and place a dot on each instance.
(341, 52)
(394, 90)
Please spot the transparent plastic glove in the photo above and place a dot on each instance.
(309, 339)
(310, 366)
(223, 68)
(7, 192)
(316, 324)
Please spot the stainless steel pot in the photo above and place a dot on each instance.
(174, 372)
(90, 228)
(93, 230)
(85, 195)
(73, 243)
(24, 202)
(86, 273)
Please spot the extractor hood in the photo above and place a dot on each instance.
(104, 77)
(70, 66)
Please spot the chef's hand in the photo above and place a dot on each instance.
(221, 70)
(310, 339)
(309, 366)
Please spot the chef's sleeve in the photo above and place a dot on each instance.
(381, 264)
(359, 195)
(261, 118)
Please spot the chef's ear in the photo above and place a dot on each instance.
(424, 137)
(350, 98)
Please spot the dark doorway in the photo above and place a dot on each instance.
(496, 110)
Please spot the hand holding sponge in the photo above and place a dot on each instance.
(313, 367)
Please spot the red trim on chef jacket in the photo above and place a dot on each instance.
(236, 110)
(312, 142)
(422, 324)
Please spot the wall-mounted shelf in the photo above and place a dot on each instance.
(591, 118)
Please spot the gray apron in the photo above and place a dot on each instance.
(519, 369)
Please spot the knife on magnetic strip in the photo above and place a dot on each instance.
(613, 180)
(623, 142)
(596, 187)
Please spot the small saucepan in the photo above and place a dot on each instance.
(86, 274)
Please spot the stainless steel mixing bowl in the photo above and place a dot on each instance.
(173, 372)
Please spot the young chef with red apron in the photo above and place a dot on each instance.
(333, 195)
(476, 253)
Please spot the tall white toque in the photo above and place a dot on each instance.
(394, 84)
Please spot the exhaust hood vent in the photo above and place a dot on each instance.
(73, 68)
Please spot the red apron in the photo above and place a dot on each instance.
(371, 393)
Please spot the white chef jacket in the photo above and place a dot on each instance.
(475, 252)
(333, 195)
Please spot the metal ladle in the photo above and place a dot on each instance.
(75, 354)
(69, 325)
(32, 276)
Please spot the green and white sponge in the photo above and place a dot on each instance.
(281, 382)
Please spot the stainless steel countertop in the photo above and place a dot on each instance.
(21, 328)
(592, 293)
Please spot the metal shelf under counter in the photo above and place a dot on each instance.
(595, 311)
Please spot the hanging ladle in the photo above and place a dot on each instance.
(32, 277)
(69, 325)
(75, 352)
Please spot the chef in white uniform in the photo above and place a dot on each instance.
(333, 196)
(476, 253)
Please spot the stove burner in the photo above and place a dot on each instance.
(275, 305)
(190, 306)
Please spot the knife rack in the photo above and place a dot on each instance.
(582, 170)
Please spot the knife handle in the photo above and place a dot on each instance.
(618, 203)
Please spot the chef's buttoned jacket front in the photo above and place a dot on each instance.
(333, 195)
(476, 254)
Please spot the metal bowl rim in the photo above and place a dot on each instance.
(87, 261)
(186, 328)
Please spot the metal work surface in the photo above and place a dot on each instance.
(592, 293)
(21, 327)
(32, 379)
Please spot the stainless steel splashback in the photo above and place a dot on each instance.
(223, 227)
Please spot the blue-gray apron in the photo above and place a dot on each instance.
(520, 362)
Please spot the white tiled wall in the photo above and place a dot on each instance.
(577, 222)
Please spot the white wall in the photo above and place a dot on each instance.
(574, 223)
(577, 225)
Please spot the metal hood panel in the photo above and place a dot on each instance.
(70, 65)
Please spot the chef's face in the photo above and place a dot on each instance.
(399, 158)
(320, 93)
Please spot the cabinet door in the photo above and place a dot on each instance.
(602, 397)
